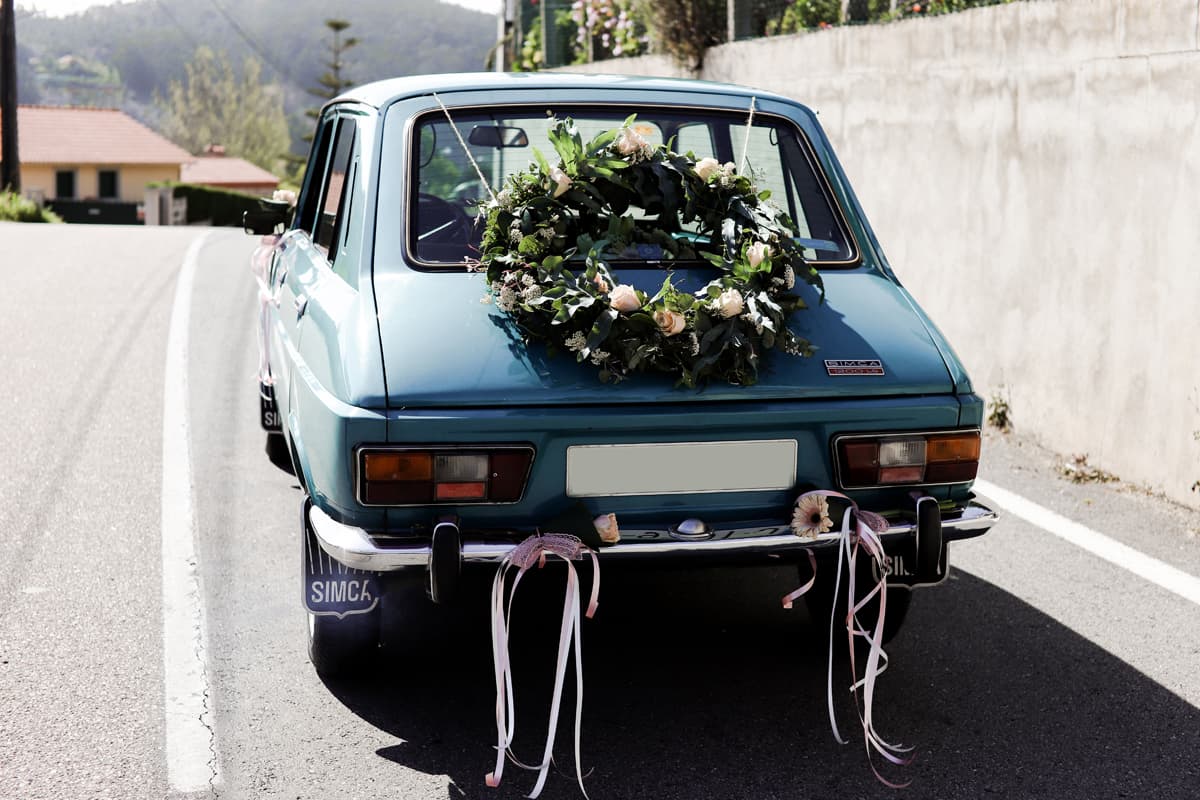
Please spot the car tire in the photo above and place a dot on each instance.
(342, 647)
(279, 453)
(819, 602)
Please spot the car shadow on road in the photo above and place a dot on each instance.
(698, 685)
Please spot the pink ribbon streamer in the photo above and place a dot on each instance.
(528, 554)
(260, 265)
(865, 537)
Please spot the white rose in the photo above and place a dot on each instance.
(560, 180)
(624, 298)
(730, 303)
(707, 167)
(630, 142)
(669, 322)
(606, 526)
(758, 253)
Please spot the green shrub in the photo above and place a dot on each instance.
(14, 208)
(218, 207)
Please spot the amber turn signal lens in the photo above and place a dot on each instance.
(398, 466)
(952, 447)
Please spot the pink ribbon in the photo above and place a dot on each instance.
(528, 554)
(260, 265)
(865, 537)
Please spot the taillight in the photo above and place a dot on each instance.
(406, 477)
(900, 459)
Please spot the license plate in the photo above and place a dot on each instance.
(681, 468)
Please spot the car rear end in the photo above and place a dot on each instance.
(489, 439)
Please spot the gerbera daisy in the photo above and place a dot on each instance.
(811, 517)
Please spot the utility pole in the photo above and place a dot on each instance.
(10, 165)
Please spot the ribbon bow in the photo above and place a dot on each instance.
(863, 535)
(528, 554)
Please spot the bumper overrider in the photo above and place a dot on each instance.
(915, 545)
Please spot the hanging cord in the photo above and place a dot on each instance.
(466, 149)
(746, 140)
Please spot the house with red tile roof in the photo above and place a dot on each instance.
(71, 152)
(214, 168)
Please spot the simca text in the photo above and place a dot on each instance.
(340, 592)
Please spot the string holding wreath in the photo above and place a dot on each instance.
(553, 231)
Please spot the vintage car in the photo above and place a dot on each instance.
(427, 432)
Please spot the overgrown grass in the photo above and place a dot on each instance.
(14, 208)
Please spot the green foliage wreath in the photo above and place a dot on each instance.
(552, 232)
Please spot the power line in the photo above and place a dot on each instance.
(254, 45)
(186, 33)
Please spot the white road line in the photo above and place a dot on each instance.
(190, 742)
(1157, 572)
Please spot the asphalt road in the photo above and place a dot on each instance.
(1037, 670)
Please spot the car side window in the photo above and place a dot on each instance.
(331, 216)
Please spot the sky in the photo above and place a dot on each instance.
(61, 8)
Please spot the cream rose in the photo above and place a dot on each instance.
(758, 253)
(730, 303)
(630, 142)
(560, 180)
(624, 298)
(669, 322)
(606, 526)
(707, 167)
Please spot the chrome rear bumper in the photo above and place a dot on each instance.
(356, 548)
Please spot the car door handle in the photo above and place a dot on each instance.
(301, 302)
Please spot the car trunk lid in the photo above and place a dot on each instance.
(443, 347)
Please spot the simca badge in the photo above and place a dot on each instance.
(871, 366)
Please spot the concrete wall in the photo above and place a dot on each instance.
(1033, 171)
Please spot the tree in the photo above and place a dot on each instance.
(332, 82)
(687, 28)
(211, 105)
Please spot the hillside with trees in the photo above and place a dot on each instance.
(130, 55)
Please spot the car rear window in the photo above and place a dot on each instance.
(446, 192)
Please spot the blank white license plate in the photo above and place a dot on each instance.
(681, 468)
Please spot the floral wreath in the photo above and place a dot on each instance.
(551, 233)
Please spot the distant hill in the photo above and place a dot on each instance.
(123, 55)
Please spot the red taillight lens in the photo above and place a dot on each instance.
(421, 477)
(895, 460)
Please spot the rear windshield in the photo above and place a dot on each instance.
(445, 226)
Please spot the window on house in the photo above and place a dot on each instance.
(64, 184)
(108, 184)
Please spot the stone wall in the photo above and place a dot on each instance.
(1033, 172)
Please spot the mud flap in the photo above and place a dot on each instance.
(331, 588)
(268, 412)
(922, 561)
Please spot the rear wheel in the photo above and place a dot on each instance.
(346, 646)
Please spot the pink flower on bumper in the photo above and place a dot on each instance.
(811, 517)
(606, 526)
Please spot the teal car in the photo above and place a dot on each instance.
(428, 433)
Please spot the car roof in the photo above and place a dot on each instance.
(381, 93)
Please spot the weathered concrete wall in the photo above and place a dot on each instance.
(1033, 171)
